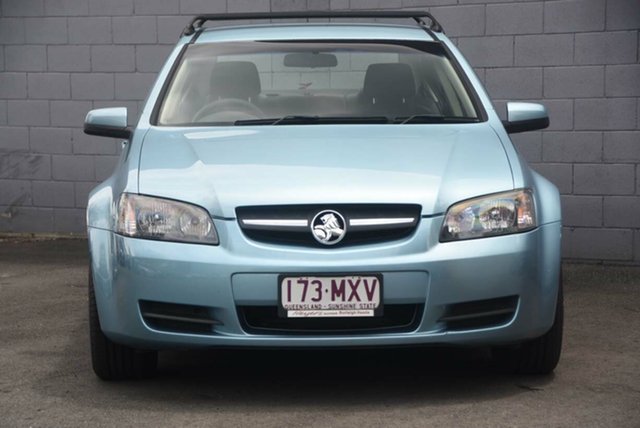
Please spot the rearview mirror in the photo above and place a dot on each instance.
(107, 122)
(522, 117)
(310, 60)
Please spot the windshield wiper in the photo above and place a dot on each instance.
(307, 120)
(304, 120)
(296, 120)
(434, 118)
(277, 120)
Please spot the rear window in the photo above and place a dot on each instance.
(240, 83)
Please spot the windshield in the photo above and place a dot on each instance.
(272, 83)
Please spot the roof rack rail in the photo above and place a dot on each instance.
(417, 15)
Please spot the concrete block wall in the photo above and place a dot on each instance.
(60, 58)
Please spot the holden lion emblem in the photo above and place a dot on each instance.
(328, 227)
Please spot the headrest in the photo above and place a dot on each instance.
(235, 79)
(389, 80)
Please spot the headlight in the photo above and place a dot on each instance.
(491, 215)
(154, 218)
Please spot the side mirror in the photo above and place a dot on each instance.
(522, 117)
(107, 122)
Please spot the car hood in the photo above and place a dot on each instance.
(224, 168)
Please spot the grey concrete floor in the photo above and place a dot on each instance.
(46, 379)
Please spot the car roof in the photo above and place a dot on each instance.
(313, 31)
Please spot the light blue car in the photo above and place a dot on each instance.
(327, 184)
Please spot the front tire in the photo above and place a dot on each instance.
(537, 356)
(112, 361)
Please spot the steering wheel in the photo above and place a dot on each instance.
(228, 105)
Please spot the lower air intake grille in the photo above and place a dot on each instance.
(265, 320)
(178, 318)
(479, 314)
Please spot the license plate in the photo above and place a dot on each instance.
(330, 296)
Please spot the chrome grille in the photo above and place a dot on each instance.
(365, 223)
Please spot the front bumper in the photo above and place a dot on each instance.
(416, 270)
